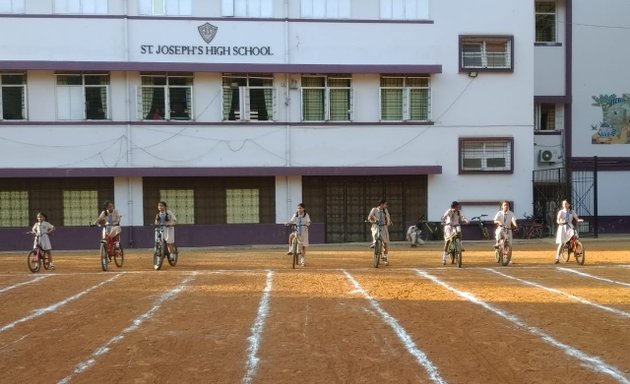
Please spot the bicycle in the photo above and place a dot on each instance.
(431, 230)
(296, 244)
(485, 235)
(573, 247)
(37, 256)
(532, 228)
(503, 252)
(110, 249)
(160, 249)
(378, 246)
(454, 249)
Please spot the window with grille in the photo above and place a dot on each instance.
(331, 9)
(326, 97)
(248, 97)
(12, 96)
(247, 8)
(165, 7)
(481, 53)
(404, 9)
(181, 202)
(546, 21)
(166, 96)
(547, 117)
(82, 96)
(78, 207)
(405, 98)
(14, 209)
(12, 6)
(486, 155)
(81, 6)
(242, 206)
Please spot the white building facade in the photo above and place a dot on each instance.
(235, 111)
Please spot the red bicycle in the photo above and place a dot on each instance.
(37, 256)
(575, 248)
(110, 248)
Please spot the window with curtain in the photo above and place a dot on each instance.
(325, 9)
(404, 9)
(247, 8)
(12, 6)
(482, 53)
(181, 202)
(82, 96)
(546, 16)
(326, 97)
(166, 96)
(79, 207)
(98, 7)
(14, 209)
(405, 98)
(165, 7)
(12, 96)
(485, 155)
(242, 206)
(248, 96)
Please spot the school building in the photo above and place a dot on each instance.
(235, 111)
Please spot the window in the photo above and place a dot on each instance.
(81, 6)
(545, 22)
(479, 53)
(14, 209)
(166, 96)
(79, 207)
(333, 9)
(326, 97)
(165, 7)
(82, 96)
(181, 202)
(548, 117)
(13, 96)
(405, 9)
(247, 8)
(486, 155)
(242, 206)
(405, 98)
(12, 6)
(248, 97)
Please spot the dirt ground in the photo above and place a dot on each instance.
(243, 315)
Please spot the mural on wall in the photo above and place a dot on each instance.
(615, 126)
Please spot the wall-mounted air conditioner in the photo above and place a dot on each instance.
(549, 156)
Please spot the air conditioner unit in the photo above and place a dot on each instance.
(549, 156)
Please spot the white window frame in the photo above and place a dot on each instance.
(247, 8)
(12, 6)
(165, 7)
(327, 89)
(484, 56)
(75, 97)
(244, 91)
(404, 9)
(554, 38)
(144, 109)
(325, 9)
(406, 89)
(486, 150)
(81, 7)
(8, 85)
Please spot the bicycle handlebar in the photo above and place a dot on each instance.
(477, 218)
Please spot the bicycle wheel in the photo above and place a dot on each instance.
(104, 257)
(32, 260)
(172, 257)
(484, 233)
(458, 253)
(580, 253)
(294, 252)
(158, 256)
(46, 259)
(564, 253)
(119, 257)
(378, 251)
(506, 253)
(497, 254)
(537, 233)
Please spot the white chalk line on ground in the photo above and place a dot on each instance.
(56, 306)
(402, 334)
(595, 363)
(33, 280)
(559, 292)
(257, 328)
(135, 325)
(563, 269)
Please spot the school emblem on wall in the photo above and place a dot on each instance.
(207, 32)
(615, 125)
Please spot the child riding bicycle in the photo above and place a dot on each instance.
(504, 218)
(302, 220)
(379, 216)
(166, 218)
(566, 220)
(109, 219)
(452, 219)
(42, 229)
